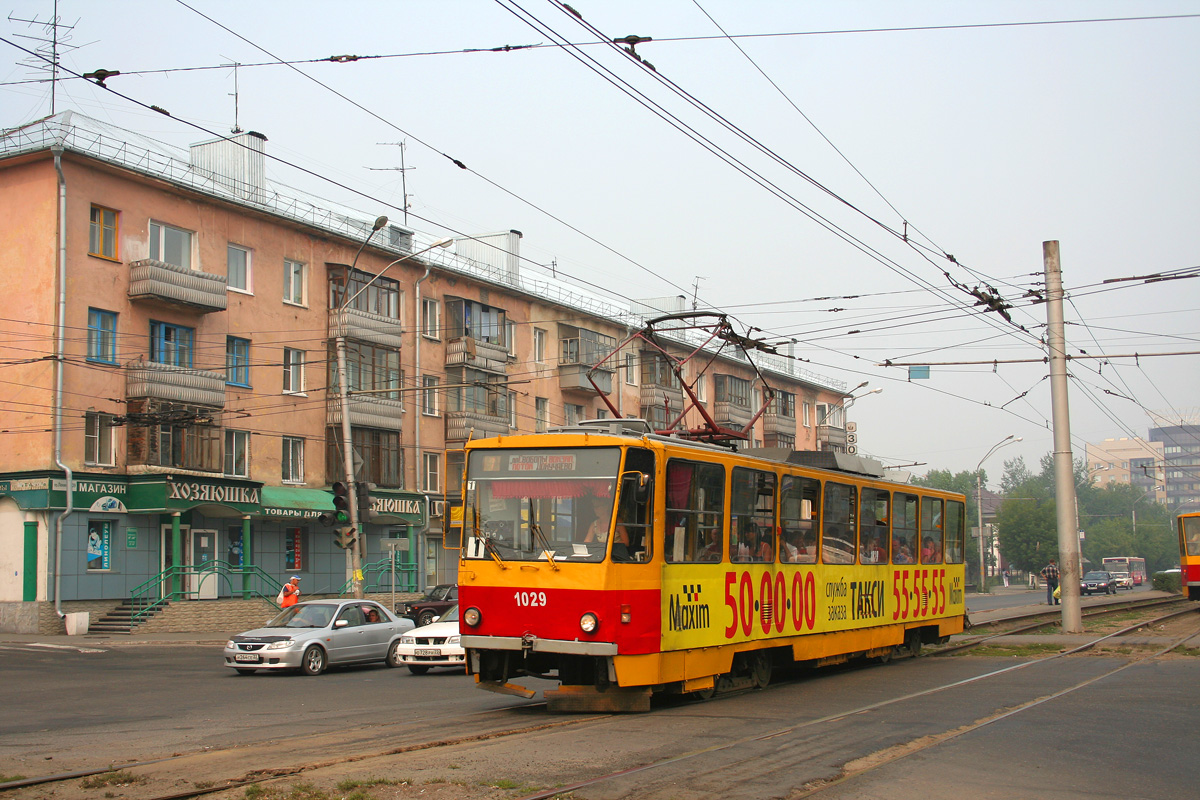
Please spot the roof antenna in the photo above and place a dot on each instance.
(236, 128)
(696, 290)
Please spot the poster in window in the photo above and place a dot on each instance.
(293, 549)
(235, 555)
(99, 546)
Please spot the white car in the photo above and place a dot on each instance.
(434, 645)
(1124, 580)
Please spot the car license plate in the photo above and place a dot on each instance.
(427, 652)
(247, 658)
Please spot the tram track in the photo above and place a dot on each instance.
(208, 765)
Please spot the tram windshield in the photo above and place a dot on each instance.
(540, 505)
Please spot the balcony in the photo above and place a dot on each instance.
(477, 354)
(731, 415)
(175, 384)
(463, 425)
(778, 423)
(573, 378)
(831, 438)
(154, 280)
(365, 326)
(654, 396)
(366, 411)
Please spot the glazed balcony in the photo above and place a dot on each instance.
(475, 424)
(476, 354)
(366, 411)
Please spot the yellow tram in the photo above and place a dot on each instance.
(624, 562)
(1189, 554)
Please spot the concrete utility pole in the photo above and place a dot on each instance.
(1064, 466)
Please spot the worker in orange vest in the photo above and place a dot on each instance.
(291, 592)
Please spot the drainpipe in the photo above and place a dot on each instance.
(58, 378)
(420, 394)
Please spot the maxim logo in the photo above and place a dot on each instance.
(686, 612)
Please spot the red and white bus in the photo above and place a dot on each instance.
(1136, 567)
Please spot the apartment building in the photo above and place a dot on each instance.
(1134, 462)
(170, 405)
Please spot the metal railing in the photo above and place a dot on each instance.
(184, 582)
(377, 577)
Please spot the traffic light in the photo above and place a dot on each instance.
(341, 506)
(344, 538)
(364, 501)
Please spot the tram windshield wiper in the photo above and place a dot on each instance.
(542, 541)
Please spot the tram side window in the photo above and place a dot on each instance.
(838, 526)
(800, 501)
(873, 527)
(932, 532)
(904, 529)
(956, 514)
(633, 507)
(695, 508)
(752, 515)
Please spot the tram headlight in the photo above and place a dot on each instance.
(472, 617)
(588, 623)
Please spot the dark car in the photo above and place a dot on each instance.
(436, 602)
(1098, 581)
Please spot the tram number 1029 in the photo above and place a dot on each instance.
(778, 601)
(918, 592)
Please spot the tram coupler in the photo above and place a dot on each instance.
(566, 699)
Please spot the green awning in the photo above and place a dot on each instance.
(295, 502)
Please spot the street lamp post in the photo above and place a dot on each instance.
(1012, 438)
(357, 549)
(1133, 508)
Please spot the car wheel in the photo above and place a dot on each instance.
(426, 617)
(313, 662)
(393, 655)
(418, 670)
(246, 671)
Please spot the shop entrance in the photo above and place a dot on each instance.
(198, 555)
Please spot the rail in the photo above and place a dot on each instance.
(184, 583)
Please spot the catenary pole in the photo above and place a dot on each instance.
(1064, 466)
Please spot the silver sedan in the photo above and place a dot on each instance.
(316, 634)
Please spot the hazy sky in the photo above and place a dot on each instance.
(987, 141)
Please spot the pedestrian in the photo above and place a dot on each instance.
(289, 595)
(1050, 573)
(1005, 579)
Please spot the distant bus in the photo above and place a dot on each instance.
(1136, 567)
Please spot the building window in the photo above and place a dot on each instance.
(575, 413)
(431, 318)
(785, 404)
(295, 282)
(369, 368)
(188, 439)
(432, 473)
(292, 461)
(237, 454)
(99, 546)
(171, 344)
(539, 345)
(103, 239)
(732, 389)
(512, 410)
(102, 336)
(807, 419)
(293, 549)
(382, 460)
(542, 411)
(237, 268)
(510, 337)
(98, 439)
(482, 323)
(429, 396)
(630, 369)
(656, 371)
(237, 361)
(365, 292)
(293, 371)
(698, 388)
(171, 245)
